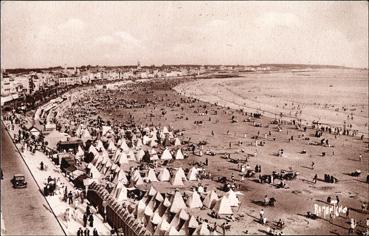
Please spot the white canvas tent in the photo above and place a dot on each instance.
(164, 175)
(152, 176)
(194, 201)
(177, 203)
(222, 207)
(232, 198)
(192, 174)
(166, 155)
(210, 199)
(179, 155)
(177, 142)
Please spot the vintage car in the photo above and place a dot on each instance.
(19, 181)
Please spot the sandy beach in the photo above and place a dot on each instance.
(185, 114)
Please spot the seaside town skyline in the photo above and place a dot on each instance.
(235, 33)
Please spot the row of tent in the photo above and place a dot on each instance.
(168, 216)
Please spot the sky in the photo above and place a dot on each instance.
(43, 34)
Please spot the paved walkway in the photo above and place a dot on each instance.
(24, 211)
(56, 202)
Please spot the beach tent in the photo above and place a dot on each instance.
(80, 153)
(162, 228)
(181, 173)
(112, 147)
(164, 205)
(139, 155)
(191, 225)
(152, 192)
(164, 175)
(194, 201)
(177, 142)
(105, 129)
(86, 135)
(222, 206)
(203, 229)
(156, 219)
(146, 140)
(123, 158)
(153, 143)
(139, 209)
(152, 176)
(166, 155)
(179, 155)
(232, 198)
(120, 192)
(124, 146)
(158, 197)
(153, 155)
(121, 177)
(100, 146)
(165, 130)
(192, 174)
(177, 203)
(149, 209)
(131, 155)
(93, 150)
(116, 155)
(210, 199)
(139, 144)
(176, 180)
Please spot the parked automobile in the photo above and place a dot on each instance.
(19, 181)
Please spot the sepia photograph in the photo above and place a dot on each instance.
(130, 118)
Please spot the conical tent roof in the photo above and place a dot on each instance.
(222, 207)
(165, 130)
(93, 150)
(131, 155)
(162, 228)
(156, 219)
(177, 203)
(139, 143)
(192, 223)
(121, 177)
(232, 198)
(153, 155)
(183, 215)
(121, 192)
(149, 209)
(159, 197)
(105, 129)
(153, 143)
(116, 155)
(179, 155)
(203, 229)
(146, 140)
(99, 145)
(166, 155)
(210, 199)
(152, 176)
(177, 142)
(140, 209)
(123, 158)
(124, 146)
(177, 179)
(181, 173)
(194, 201)
(112, 147)
(152, 191)
(80, 153)
(192, 174)
(164, 175)
(140, 155)
(86, 135)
